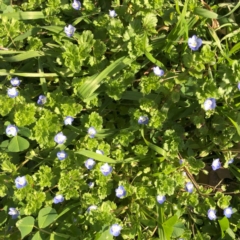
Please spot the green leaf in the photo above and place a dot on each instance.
(235, 125)
(37, 236)
(224, 225)
(46, 216)
(3, 217)
(24, 56)
(67, 209)
(23, 15)
(25, 225)
(105, 235)
(18, 144)
(168, 226)
(205, 13)
(178, 230)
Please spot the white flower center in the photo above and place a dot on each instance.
(194, 43)
(116, 228)
(120, 191)
(21, 181)
(212, 214)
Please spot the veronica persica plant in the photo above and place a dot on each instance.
(58, 199)
(209, 104)
(194, 43)
(41, 100)
(13, 212)
(158, 71)
(69, 30)
(21, 182)
(60, 138)
(112, 13)
(212, 214)
(216, 164)
(15, 82)
(92, 207)
(228, 212)
(115, 230)
(99, 152)
(12, 92)
(68, 120)
(189, 187)
(106, 169)
(11, 130)
(120, 192)
(92, 132)
(61, 155)
(90, 163)
(76, 5)
(143, 120)
(161, 199)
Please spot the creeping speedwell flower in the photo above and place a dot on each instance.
(209, 104)
(194, 43)
(92, 207)
(228, 212)
(58, 199)
(106, 169)
(99, 152)
(13, 212)
(112, 13)
(158, 71)
(120, 192)
(15, 82)
(212, 214)
(239, 86)
(11, 130)
(216, 164)
(76, 4)
(69, 30)
(92, 132)
(231, 161)
(143, 120)
(181, 161)
(115, 230)
(12, 92)
(60, 138)
(61, 155)
(91, 184)
(20, 182)
(41, 100)
(68, 120)
(161, 199)
(89, 163)
(189, 187)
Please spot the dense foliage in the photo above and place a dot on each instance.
(119, 119)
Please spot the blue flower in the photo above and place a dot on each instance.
(13, 212)
(68, 120)
(92, 207)
(194, 43)
(231, 161)
(112, 13)
(92, 132)
(20, 182)
(120, 192)
(99, 152)
(239, 86)
(189, 187)
(15, 82)
(60, 138)
(216, 164)
(115, 230)
(212, 214)
(143, 120)
(161, 199)
(228, 212)
(12, 92)
(41, 100)
(181, 161)
(91, 184)
(106, 169)
(11, 130)
(76, 4)
(61, 155)
(58, 199)
(89, 163)
(69, 30)
(209, 104)
(158, 71)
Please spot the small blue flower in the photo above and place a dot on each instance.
(92, 207)
(158, 71)
(20, 182)
(58, 199)
(99, 152)
(143, 120)
(194, 43)
(69, 30)
(11, 130)
(231, 161)
(212, 214)
(189, 187)
(60, 138)
(89, 163)
(12, 92)
(209, 104)
(161, 199)
(68, 120)
(228, 212)
(106, 169)
(112, 13)
(41, 100)
(216, 164)
(181, 161)
(92, 132)
(115, 230)
(13, 212)
(15, 82)
(76, 4)
(239, 86)
(120, 192)
(91, 184)
(61, 155)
